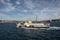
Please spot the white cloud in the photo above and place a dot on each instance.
(8, 0)
(1, 14)
(8, 9)
(8, 6)
(29, 4)
(47, 13)
(49, 10)
(4, 2)
(7, 17)
(25, 10)
(4, 16)
(17, 2)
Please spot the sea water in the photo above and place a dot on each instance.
(9, 31)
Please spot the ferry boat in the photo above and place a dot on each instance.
(32, 25)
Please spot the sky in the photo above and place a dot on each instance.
(29, 9)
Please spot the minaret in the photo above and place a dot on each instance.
(36, 18)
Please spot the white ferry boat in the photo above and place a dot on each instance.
(31, 25)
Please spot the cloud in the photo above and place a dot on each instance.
(24, 17)
(7, 6)
(1, 14)
(29, 9)
(6, 2)
(44, 14)
(18, 2)
(25, 10)
(29, 4)
(48, 13)
(4, 16)
(8, 9)
(8, 17)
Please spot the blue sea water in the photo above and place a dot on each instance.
(9, 31)
(55, 24)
